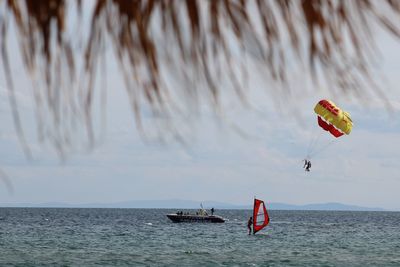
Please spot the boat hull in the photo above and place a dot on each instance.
(196, 218)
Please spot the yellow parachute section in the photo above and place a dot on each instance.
(333, 119)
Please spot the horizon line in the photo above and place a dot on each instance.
(192, 204)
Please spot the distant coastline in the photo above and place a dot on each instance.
(190, 204)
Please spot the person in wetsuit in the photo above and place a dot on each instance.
(249, 224)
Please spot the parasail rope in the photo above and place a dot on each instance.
(317, 151)
(313, 142)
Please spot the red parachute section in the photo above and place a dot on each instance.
(329, 127)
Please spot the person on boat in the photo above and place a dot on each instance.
(308, 166)
(249, 224)
(212, 211)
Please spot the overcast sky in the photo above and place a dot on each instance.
(254, 151)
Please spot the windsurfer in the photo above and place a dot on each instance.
(249, 224)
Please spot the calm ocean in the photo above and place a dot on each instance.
(145, 237)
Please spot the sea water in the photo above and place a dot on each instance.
(146, 237)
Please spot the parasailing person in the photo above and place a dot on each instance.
(308, 166)
(305, 163)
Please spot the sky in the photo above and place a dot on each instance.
(245, 152)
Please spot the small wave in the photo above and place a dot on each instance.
(149, 223)
(196, 252)
(263, 234)
(236, 221)
(283, 222)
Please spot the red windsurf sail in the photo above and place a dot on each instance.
(260, 216)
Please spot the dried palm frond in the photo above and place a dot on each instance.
(195, 42)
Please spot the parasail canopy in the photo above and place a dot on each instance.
(333, 119)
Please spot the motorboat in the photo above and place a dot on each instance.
(201, 216)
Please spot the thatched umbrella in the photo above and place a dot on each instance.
(198, 41)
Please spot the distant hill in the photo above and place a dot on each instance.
(190, 204)
(322, 206)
